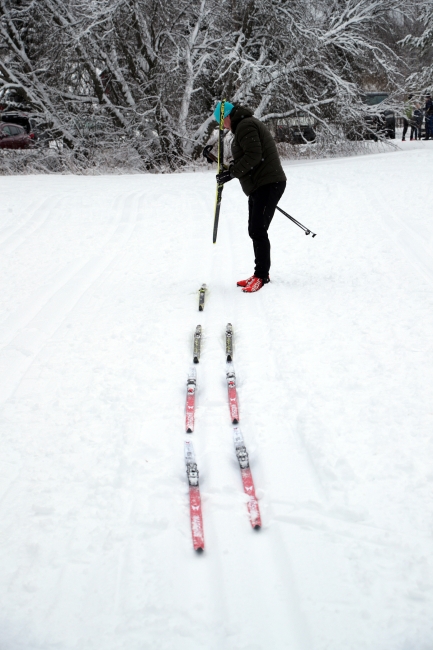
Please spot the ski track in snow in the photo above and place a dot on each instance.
(26, 331)
(333, 362)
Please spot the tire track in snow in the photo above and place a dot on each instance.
(417, 250)
(25, 314)
(280, 584)
(123, 560)
(14, 222)
(29, 226)
(26, 332)
(120, 232)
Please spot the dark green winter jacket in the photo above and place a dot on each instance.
(255, 155)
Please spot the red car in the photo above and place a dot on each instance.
(13, 136)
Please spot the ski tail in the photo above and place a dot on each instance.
(247, 478)
(194, 498)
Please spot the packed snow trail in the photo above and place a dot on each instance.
(333, 359)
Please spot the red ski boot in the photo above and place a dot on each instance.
(254, 284)
(245, 283)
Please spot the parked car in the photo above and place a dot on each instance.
(296, 130)
(379, 121)
(14, 136)
(20, 118)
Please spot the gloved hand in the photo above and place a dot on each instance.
(225, 176)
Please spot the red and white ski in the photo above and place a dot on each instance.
(233, 396)
(190, 400)
(247, 478)
(194, 499)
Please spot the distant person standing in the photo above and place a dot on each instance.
(415, 131)
(408, 115)
(428, 112)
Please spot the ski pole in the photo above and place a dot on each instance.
(220, 164)
(307, 232)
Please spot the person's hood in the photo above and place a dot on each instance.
(237, 114)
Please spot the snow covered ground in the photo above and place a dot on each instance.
(334, 359)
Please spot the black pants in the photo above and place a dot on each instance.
(414, 129)
(261, 208)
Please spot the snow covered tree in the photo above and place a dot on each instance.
(422, 44)
(306, 56)
(138, 79)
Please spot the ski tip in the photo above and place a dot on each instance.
(229, 358)
(189, 430)
(195, 360)
(199, 549)
(257, 527)
(235, 421)
(200, 308)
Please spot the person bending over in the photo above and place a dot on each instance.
(257, 165)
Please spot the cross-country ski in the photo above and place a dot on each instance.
(247, 478)
(191, 385)
(194, 498)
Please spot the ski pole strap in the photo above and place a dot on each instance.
(306, 230)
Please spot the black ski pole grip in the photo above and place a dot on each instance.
(207, 153)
